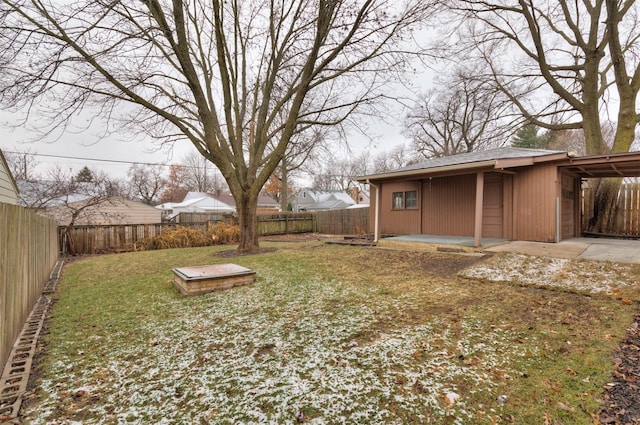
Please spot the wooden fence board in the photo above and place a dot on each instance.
(343, 222)
(628, 216)
(28, 253)
(114, 238)
(286, 222)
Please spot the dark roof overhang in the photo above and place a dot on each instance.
(598, 166)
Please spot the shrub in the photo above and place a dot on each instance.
(188, 237)
(224, 233)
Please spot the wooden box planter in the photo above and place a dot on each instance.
(202, 279)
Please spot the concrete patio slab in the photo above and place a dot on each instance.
(467, 241)
(615, 250)
(619, 253)
(566, 249)
(600, 249)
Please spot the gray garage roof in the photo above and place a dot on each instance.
(491, 158)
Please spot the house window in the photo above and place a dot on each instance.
(411, 199)
(405, 200)
(398, 200)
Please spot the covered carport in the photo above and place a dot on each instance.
(601, 166)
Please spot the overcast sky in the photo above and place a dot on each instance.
(87, 144)
(382, 136)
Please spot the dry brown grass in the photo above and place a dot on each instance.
(327, 334)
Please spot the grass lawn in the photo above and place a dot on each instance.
(327, 334)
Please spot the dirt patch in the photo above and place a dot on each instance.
(622, 395)
(433, 263)
(447, 264)
(297, 237)
(231, 253)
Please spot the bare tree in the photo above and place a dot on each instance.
(145, 182)
(569, 61)
(398, 157)
(339, 173)
(199, 174)
(304, 147)
(194, 173)
(85, 198)
(462, 114)
(237, 79)
(564, 64)
(61, 196)
(22, 165)
(40, 194)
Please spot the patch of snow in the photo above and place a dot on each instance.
(580, 276)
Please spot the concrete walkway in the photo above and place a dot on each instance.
(615, 250)
(466, 241)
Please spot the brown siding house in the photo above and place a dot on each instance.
(507, 193)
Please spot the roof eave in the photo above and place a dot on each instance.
(426, 171)
(496, 164)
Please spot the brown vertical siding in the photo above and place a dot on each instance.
(535, 203)
(448, 205)
(519, 205)
(398, 222)
(492, 211)
(569, 203)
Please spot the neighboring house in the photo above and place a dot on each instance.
(115, 210)
(8, 186)
(194, 202)
(506, 193)
(322, 200)
(359, 195)
(266, 204)
(41, 194)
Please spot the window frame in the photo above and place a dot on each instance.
(394, 197)
(414, 200)
(399, 200)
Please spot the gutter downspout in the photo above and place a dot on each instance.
(376, 220)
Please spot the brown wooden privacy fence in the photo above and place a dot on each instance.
(115, 238)
(193, 217)
(286, 222)
(343, 222)
(28, 253)
(628, 216)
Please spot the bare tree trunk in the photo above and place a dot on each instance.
(605, 206)
(284, 183)
(71, 245)
(248, 222)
